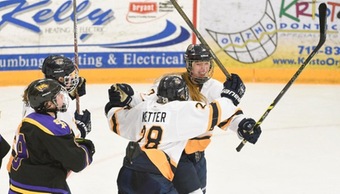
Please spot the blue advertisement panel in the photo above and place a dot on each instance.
(105, 34)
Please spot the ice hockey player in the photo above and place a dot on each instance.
(63, 70)
(46, 148)
(159, 130)
(191, 173)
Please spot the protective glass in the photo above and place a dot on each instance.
(61, 100)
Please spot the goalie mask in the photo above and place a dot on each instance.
(197, 56)
(42, 91)
(172, 88)
(61, 69)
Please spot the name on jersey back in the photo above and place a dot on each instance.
(154, 117)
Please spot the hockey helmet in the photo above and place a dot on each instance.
(170, 88)
(198, 52)
(43, 90)
(56, 66)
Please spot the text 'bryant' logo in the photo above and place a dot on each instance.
(143, 7)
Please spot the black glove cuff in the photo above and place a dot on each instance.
(88, 144)
(226, 93)
(108, 107)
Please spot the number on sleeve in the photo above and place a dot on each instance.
(22, 151)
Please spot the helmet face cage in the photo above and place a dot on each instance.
(172, 88)
(197, 52)
(41, 91)
(71, 81)
(199, 80)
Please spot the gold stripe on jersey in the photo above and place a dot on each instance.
(19, 190)
(197, 144)
(224, 124)
(114, 124)
(160, 160)
(201, 143)
(40, 126)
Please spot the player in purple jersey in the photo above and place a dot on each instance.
(63, 70)
(46, 148)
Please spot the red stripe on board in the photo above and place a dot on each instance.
(194, 20)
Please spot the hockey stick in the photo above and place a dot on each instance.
(76, 58)
(200, 38)
(323, 21)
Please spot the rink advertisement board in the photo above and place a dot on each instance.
(273, 33)
(259, 39)
(110, 34)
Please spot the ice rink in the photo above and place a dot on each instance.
(298, 152)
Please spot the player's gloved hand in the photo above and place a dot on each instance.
(234, 89)
(120, 95)
(80, 89)
(88, 144)
(245, 130)
(83, 122)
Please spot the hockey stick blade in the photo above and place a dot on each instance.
(200, 38)
(322, 21)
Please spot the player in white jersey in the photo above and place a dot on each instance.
(160, 128)
(63, 70)
(191, 173)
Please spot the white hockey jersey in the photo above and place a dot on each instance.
(166, 128)
(211, 89)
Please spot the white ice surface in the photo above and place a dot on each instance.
(298, 152)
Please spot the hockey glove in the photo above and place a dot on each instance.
(88, 144)
(120, 95)
(245, 130)
(234, 89)
(83, 122)
(80, 89)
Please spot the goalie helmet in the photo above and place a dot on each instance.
(172, 88)
(198, 52)
(43, 90)
(57, 66)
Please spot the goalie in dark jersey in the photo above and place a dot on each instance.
(46, 148)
